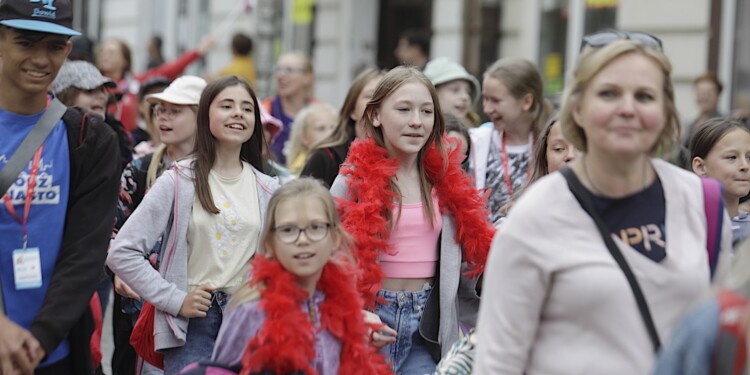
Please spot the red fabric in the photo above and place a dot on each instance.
(128, 107)
(96, 337)
(142, 338)
(733, 310)
(370, 168)
(286, 341)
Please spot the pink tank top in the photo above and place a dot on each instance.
(415, 243)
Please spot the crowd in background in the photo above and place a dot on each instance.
(397, 234)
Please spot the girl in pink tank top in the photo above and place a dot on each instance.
(397, 184)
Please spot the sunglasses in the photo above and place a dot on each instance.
(602, 38)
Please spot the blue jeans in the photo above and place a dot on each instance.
(402, 311)
(201, 338)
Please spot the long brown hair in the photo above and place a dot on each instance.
(541, 167)
(345, 129)
(391, 82)
(205, 143)
(710, 133)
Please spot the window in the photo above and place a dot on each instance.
(741, 70)
(553, 37)
(552, 42)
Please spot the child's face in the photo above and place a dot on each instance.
(110, 57)
(503, 109)
(320, 124)
(176, 123)
(29, 64)
(455, 97)
(232, 116)
(92, 100)
(364, 97)
(407, 117)
(559, 151)
(729, 162)
(306, 256)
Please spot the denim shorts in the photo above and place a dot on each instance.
(201, 338)
(402, 311)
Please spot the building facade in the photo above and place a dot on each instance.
(344, 36)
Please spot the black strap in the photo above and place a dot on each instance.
(588, 205)
(26, 150)
(30, 144)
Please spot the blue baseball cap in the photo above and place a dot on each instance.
(44, 16)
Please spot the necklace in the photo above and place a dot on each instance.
(596, 189)
(506, 170)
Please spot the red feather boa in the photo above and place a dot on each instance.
(286, 341)
(369, 169)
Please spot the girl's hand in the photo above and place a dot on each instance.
(124, 290)
(197, 302)
(381, 336)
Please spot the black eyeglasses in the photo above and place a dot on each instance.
(289, 234)
(602, 38)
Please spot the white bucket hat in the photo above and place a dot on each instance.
(443, 70)
(185, 90)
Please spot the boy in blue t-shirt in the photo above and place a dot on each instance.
(55, 219)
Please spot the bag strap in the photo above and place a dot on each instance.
(26, 150)
(713, 207)
(30, 144)
(175, 215)
(588, 205)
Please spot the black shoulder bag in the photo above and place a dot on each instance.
(26, 150)
(588, 205)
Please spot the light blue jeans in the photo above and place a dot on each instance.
(402, 311)
(201, 338)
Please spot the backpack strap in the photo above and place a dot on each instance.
(713, 207)
(730, 351)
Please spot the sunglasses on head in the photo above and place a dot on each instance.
(602, 38)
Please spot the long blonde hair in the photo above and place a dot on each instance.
(294, 146)
(302, 188)
(154, 169)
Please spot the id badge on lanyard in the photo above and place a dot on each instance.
(27, 265)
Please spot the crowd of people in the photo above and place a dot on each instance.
(399, 234)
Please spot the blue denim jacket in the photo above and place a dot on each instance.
(690, 349)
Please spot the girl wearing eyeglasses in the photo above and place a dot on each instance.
(301, 312)
(210, 209)
(557, 301)
(139, 175)
(294, 91)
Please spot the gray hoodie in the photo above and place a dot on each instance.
(166, 288)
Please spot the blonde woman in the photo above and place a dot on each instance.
(559, 302)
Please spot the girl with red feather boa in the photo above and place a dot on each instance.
(420, 228)
(301, 313)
